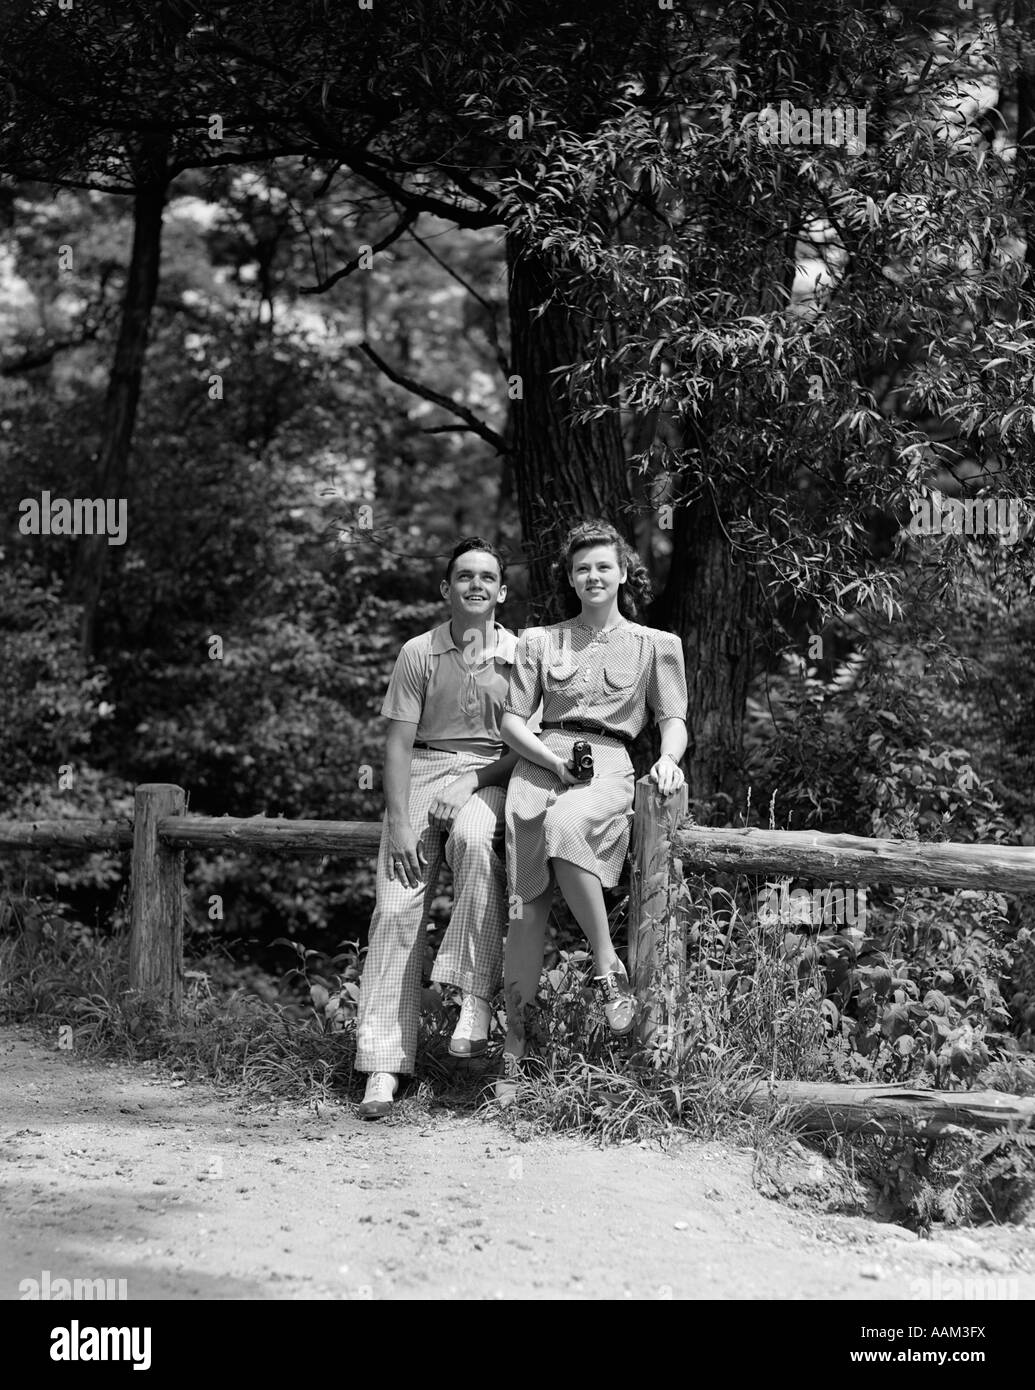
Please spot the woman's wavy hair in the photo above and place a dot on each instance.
(634, 596)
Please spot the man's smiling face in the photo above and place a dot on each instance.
(474, 588)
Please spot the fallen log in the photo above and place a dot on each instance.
(898, 1110)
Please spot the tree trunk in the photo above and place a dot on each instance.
(120, 405)
(563, 472)
(712, 601)
(1025, 162)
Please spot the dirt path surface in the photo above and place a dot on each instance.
(117, 1171)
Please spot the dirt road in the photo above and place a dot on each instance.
(116, 1171)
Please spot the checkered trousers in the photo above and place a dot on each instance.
(471, 954)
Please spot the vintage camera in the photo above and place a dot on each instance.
(582, 760)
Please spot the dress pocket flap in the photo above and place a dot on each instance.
(561, 671)
(619, 677)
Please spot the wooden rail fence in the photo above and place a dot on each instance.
(161, 832)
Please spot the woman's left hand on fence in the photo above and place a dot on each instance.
(668, 775)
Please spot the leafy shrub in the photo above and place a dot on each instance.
(915, 994)
(863, 761)
(51, 701)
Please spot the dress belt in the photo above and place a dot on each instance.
(580, 726)
(430, 748)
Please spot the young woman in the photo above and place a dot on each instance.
(596, 674)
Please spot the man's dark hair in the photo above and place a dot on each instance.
(476, 543)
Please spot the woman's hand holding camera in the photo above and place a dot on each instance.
(564, 771)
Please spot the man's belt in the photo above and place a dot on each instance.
(579, 726)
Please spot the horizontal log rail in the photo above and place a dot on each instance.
(66, 834)
(345, 837)
(855, 859)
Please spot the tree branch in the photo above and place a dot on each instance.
(489, 308)
(462, 179)
(269, 154)
(39, 357)
(361, 164)
(448, 429)
(405, 222)
(426, 393)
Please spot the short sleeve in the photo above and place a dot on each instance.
(666, 686)
(404, 698)
(526, 676)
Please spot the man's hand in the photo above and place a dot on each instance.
(668, 775)
(448, 804)
(406, 858)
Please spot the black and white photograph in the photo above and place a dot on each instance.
(517, 669)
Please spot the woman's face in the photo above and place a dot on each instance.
(595, 575)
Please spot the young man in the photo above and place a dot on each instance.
(445, 772)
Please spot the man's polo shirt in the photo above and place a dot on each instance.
(455, 702)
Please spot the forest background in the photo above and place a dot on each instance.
(318, 287)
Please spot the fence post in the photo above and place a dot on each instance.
(657, 923)
(156, 898)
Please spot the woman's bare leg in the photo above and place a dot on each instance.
(522, 966)
(584, 895)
